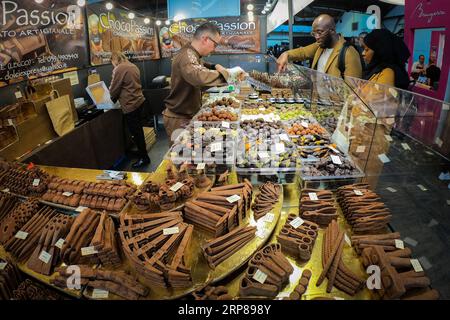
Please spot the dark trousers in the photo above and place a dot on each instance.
(134, 122)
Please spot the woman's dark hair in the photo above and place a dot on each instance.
(390, 51)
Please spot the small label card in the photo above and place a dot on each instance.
(304, 124)
(388, 138)
(284, 137)
(67, 194)
(45, 257)
(360, 149)
(88, 251)
(216, 146)
(6, 190)
(383, 158)
(313, 196)
(336, 160)
(263, 154)
(36, 182)
(170, 231)
(406, 146)
(269, 217)
(100, 294)
(358, 192)
(391, 189)
(233, 199)
(3, 265)
(21, 235)
(260, 276)
(421, 187)
(297, 222)
(347, 239)
(225, 125)
(81, 209)
(59, 244)
(201, 166)
(416, 265)
(177, 186)
(261, 233)
(399, 244)
(279, 148)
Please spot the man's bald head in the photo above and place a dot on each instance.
(324, 21)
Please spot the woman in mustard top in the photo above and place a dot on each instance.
(385, 56)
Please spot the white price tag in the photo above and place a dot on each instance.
(262, 109)
(21, 235)
(388, 138)
(416, 265)
(261, 234)
(429, 153)
(45, 257)
(313, 196)
(399, 244)
(338, 298)
(384, 158)
(358, 192)
(305, 124)
(297, 222)
(439, 142)
(260, 276)
(36, 182)
(100, 294)
(391, 189)
(170, 231)
(216, 146)
(263, 154)
(347, 239)
(336, 160)
(421, 187)
(284, 137)
(88, 251)
(279, 148)
(390, 121)
(406, 146)
(67, 194)
(59, 244)
(225, 125)
(269, 217)
(6, 190)
(283, 295)
(201, 166)
(334, 149)
(177, 186)
(3, 265)
(233, 199)
(18, 94)
(10, 122)
(360, 149)
(81, 209)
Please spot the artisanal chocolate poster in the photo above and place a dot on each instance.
(112, 30)
(239, 35)
(38, 39)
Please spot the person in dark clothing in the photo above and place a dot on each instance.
(385, 55)
(433, 74)
(126, 87)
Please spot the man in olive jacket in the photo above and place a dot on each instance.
(325, 51)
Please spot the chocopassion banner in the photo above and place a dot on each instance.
(40, 39)
(238, 33)
(112, 30)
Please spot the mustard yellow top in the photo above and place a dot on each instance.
(386, 77)
(353, 66)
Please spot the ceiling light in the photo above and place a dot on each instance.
(250, 7)
(178, 17)
(158, 22)
(167, 22)
(263, 12)
(38, 1)
(81, 3)
(109, 6)
(146, 20)
(250, 13)
(131, 15)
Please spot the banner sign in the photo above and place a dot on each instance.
(112, 30)
(239, 35)
(37, 40)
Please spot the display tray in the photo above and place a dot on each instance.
(201, 272)
(350, 259)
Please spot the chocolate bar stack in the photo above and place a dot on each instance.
(104, 242)
(268, 196)
(64, 191)
(318, 206)
(297, 237)
(386, 240)
(76, 248)
(7, 204)
(17, 218)
(401, 277)
(30, 182)
(10, 278)
(333, 266)
(220, 210)
(363, 209)
(219, 249)
(115, 282)
(268, 272)
(22, 248)
(46, 254)
(157, 245)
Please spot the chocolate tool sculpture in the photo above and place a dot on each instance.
(7, 204)
(212, 293)
(333, 267)
(105, 243)
(321, 211)
(20, 180)
(214, 213)
(302, 286)
(10, 279)
(22, 249)
(386, 240)
(399, 280)
(109, 196)
(298, 241)
(57, 228)
(219, 249)
(115, 282)
(157, 254)
(363, 211)
(80, 236)
(266, 199)
(17, 218)
(267, 274)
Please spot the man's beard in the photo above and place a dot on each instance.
(327, 42)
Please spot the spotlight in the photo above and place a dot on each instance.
(158, 22)
(109, 6)
(131, 15)
(146, 20)
(250, 7)
(167, 22)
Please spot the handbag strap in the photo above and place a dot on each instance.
(52, 94)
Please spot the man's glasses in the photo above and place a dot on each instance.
(319, 33)
(215, 42)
